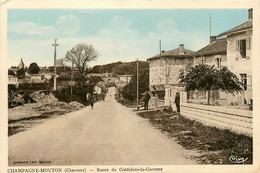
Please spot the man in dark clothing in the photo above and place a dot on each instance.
(177, 101)
(92, 102)
(146, 100)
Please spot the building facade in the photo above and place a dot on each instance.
(164, 70)
(13, 80)
(239, 53)
(125, 78)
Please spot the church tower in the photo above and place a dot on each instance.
(21, 64)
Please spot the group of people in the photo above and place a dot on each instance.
(147, 97)
(92, 99)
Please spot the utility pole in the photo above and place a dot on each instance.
(137, 85)
(209, 24)
(160, 45)
(55, 45)
(71, 84)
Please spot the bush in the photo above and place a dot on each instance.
(79, 95)
(34, 86)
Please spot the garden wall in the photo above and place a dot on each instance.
(239, 121)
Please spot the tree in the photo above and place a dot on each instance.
(129, 91)
(207, 78)
(33, 68)
(123, 69)
(80, 55)
(92, 82)
(166, 72)
(11, 72)
(20, 73)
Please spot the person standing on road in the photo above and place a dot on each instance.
(177, 101)
(92, 102)
(146, 100)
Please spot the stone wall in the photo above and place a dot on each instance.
(239, 121)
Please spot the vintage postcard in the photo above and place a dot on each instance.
(129, 86)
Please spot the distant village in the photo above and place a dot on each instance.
(46, 73)
(232, 48)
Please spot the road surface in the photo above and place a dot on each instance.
(108, 134)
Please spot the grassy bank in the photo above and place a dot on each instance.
(215, 145)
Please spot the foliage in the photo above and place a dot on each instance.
(80, 55)
(120, 68)
(92, 82)
(212, 140)
(33, 68)
(228, 81)
(129, 91)
(11, 87)
(11, 72)
(79, 94)
(20, 73)
(107, 68)
(205, 78)
(34, 86)
(123, 69)
(79, 91)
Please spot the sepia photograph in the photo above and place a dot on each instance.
(128, 86)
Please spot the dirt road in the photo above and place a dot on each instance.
(108, 134)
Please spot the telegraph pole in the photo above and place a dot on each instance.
(55, 45)
(209, 24)
(137, 85)
(160, 45)
(71, 80)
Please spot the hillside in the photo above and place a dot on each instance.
(120, 68)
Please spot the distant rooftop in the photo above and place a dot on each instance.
(179, 52)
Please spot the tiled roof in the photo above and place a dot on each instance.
(246, 25)
(217, 47)
(11, 76)
(174, 54)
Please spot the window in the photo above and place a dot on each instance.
(218, 62)
(203, 60)
(244, 80)
(242, 46)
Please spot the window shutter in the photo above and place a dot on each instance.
(248, 43)
(237, 45)
(249, 81)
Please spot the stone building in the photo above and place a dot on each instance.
(214, 53)
(164, 70)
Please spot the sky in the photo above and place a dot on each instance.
(117, 34)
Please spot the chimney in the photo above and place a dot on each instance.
(250, 14)
(181, 49)
(213, 38)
